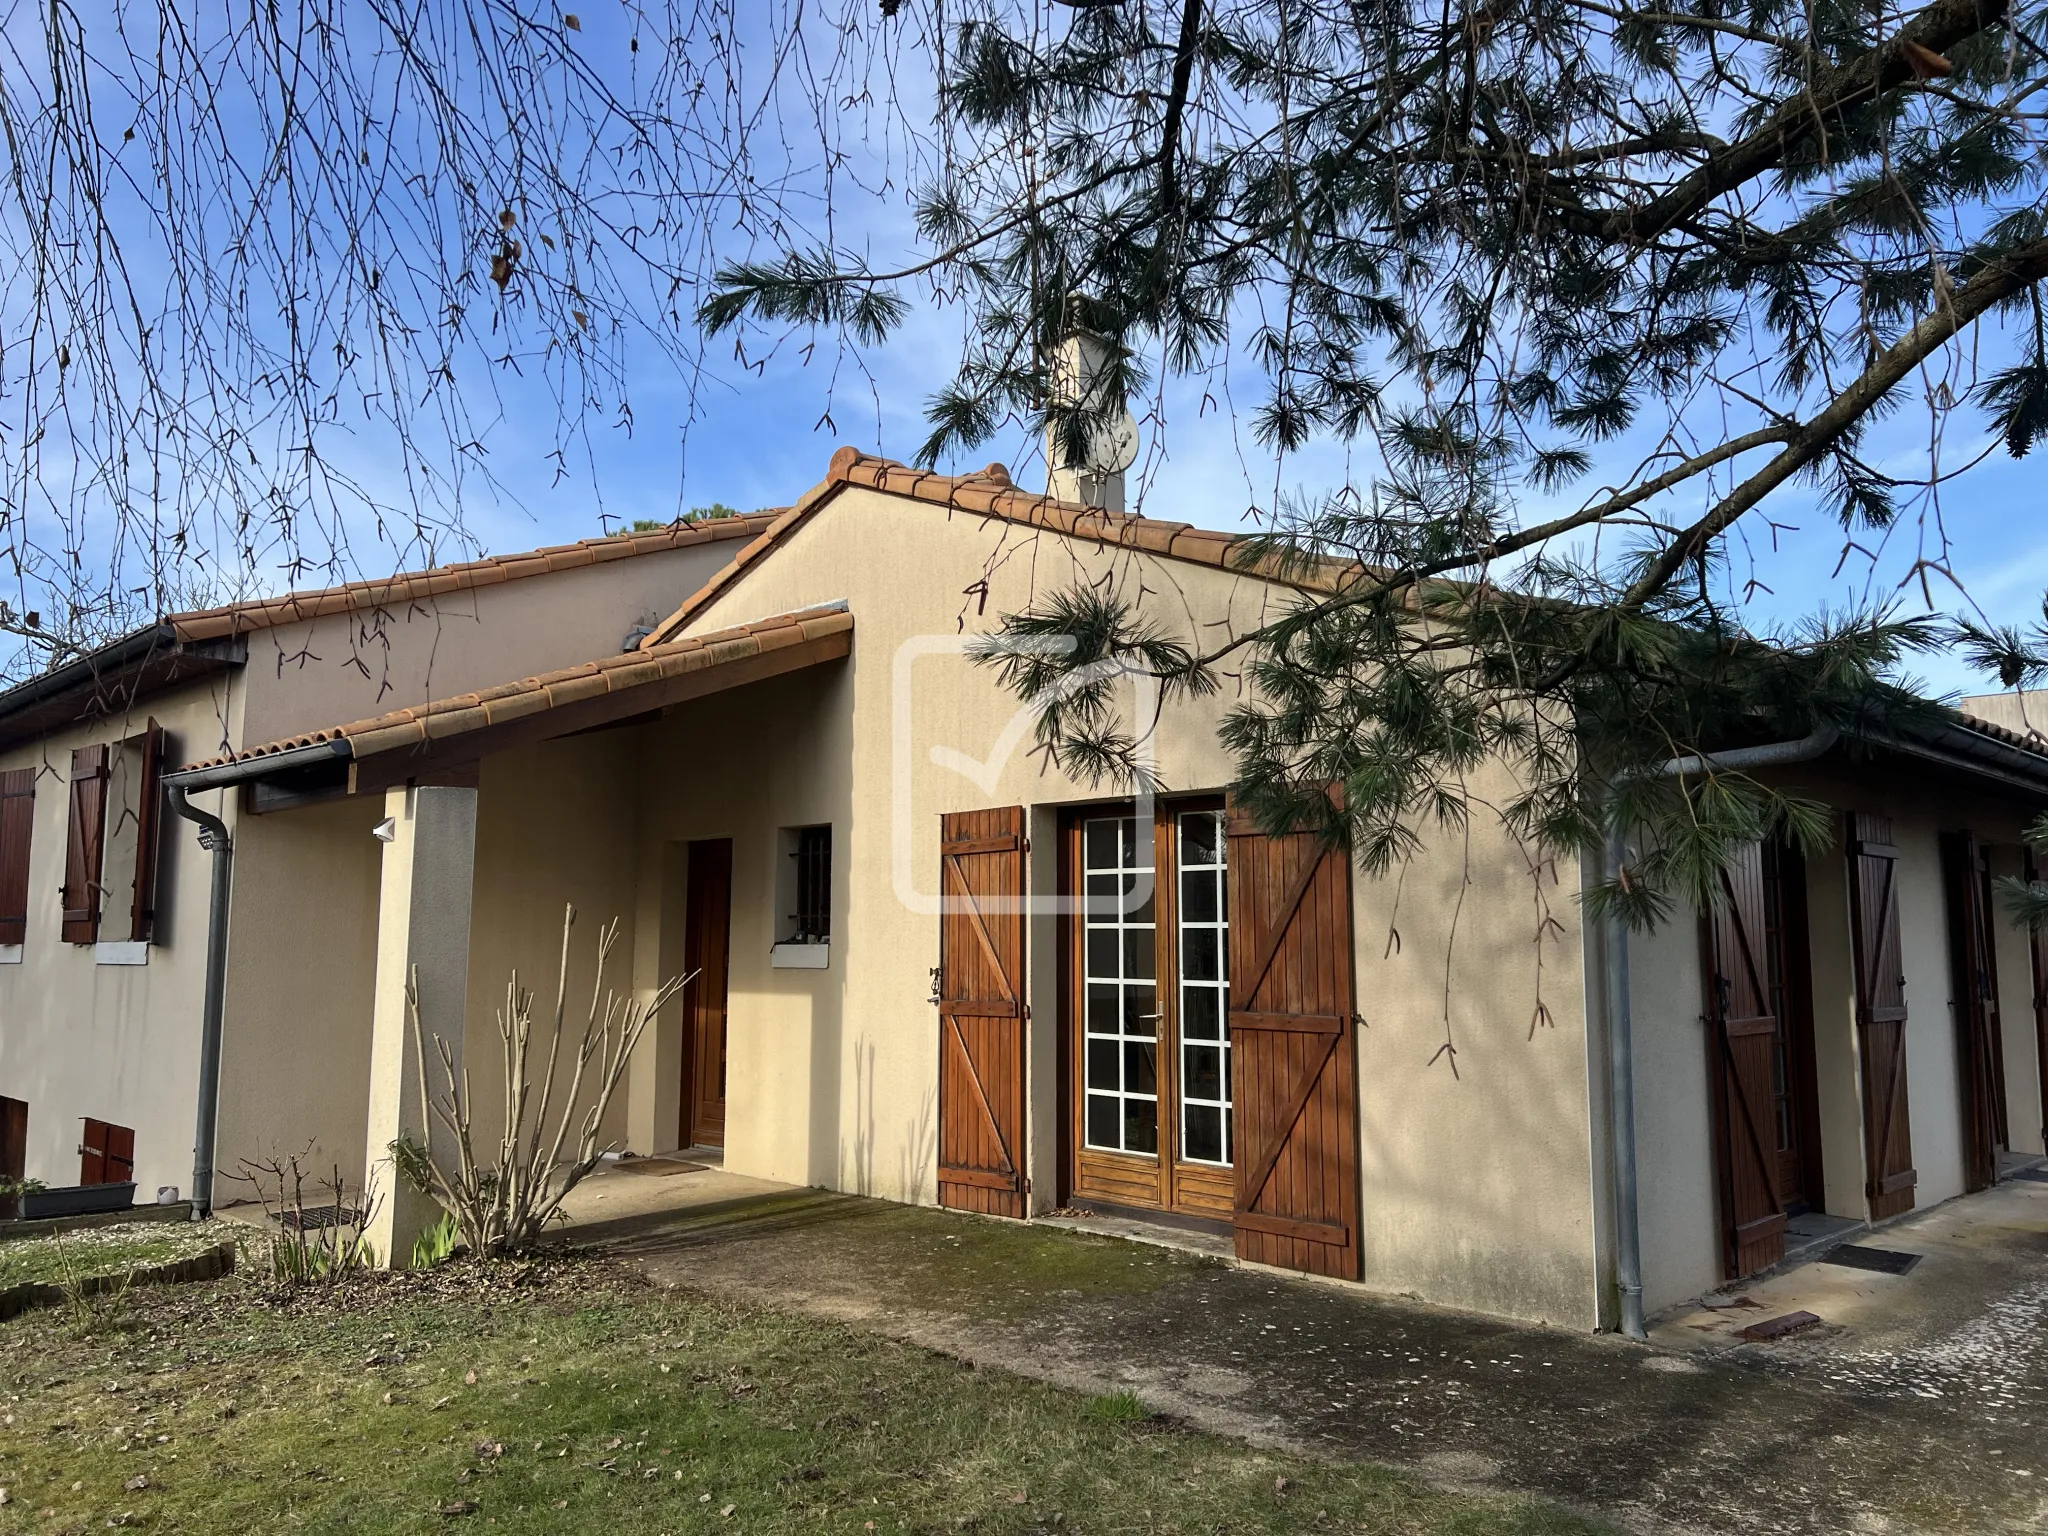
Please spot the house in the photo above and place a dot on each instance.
(103, 905)
(931, 967)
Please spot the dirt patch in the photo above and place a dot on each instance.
(1653, 1441)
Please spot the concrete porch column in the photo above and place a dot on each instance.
(423, 930)
(654, 1079)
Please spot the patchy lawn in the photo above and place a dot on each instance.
(568, 1396)
(106, 1250)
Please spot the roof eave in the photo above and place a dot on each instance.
(147, 661)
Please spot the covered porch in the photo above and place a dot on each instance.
(666, 789)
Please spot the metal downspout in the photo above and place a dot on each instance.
(1628, 1252)
(213, 836)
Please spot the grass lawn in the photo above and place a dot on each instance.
(569, 1397)
(105, 1250)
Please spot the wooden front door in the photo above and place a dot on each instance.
(707, 939)
(1291, 1034)
(1973, 983)
(1148, 1036)
(981, 1011)
(1880, 1014)
(1761, 1043)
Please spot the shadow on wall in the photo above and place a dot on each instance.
(918, 1152)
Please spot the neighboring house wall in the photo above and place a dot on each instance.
(328, 671)
(118, 1043)
(1679, 1211)
(1478, 1217)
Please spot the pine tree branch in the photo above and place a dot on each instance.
(1809, 112)
(1999, 281)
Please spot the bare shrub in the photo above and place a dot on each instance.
(324, 1242)
(500, 1204)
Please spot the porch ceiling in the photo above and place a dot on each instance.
(427, 739)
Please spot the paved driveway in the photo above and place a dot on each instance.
(1921, 1404)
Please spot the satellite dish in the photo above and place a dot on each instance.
(1113, 446)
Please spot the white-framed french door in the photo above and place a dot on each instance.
(1147, 1004)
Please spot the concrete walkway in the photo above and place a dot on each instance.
(1919, 1404)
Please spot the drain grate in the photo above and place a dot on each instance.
(1886, 1261)
(313, 1218)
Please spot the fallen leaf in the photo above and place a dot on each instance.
(439, 1402)
(387, 1399)
(1020, 1497)
(731, 1507)
(136, 1483)
(459, 1507)
(469, 1379)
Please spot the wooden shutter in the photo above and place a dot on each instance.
(1742, 1012)
(1880, 1015)
(92, 1152)
(13, 1138)
(17, 831)
(981, 1011)
(82, 845)
(2038, 945)
(120, 1154)
(1292, 1054)
(148, 815)
(1973, 981)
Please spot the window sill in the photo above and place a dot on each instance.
(10, 954)
(799, 957)
(120, 952)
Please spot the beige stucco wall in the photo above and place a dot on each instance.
(556, 825)
(302, 960)
(809, 1100)
(1678, 1215)
(1476, 1187)
(116, 1043)
(345, 667)
(2020, 1035)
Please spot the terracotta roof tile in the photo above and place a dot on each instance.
(292, 607)
(987, 493)
(443, 718)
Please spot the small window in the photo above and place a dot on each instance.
(110, 856)
(106, 1154)
(803, 897)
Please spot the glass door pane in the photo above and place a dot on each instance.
(1204, 989)
(1120, 1043)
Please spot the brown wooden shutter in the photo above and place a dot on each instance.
(981, 1011)
(1880, 1014)
(92, 1152)
(1292, 1054)
(1742, 1014)
(148, 816)
(82, 845)
(17, 831)
(120, 1154)
(13, 1138)
(1973, 981)
(2038, 944)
